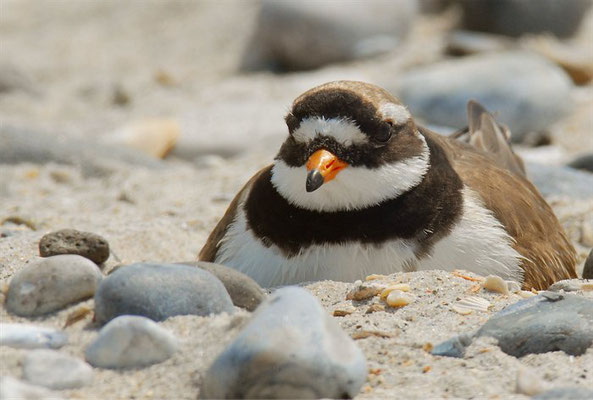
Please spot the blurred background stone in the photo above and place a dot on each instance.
(524, 91)
(300, 35)
(517, 17)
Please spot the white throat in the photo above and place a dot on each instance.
(354, 187)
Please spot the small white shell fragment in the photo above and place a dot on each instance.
(404, 287)
(495, 283)
(526, 294)
(469, 304)
(397, 298)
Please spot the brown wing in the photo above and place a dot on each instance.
(518, 205)
(208, 252)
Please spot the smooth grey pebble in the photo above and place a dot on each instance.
(291, 348)
(131, 341)
(52, 283)
(160, 291)
(25, 336)
(525, 91)
(13, 389)
(568, 393)
(71, 241)
(327, 32)
(244, 291)
(55, 370)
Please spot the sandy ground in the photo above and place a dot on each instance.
(81, 52)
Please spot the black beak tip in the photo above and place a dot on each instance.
(314, 180)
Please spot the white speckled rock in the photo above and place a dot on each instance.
(55, 370)
(292, 348)
(12, 389)
(51, 284)
(131, 341)
(31, 337)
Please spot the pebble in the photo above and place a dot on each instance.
(70, 241)
(404, 287)
(327, 32)
(568, 393)
(131, 341)
(160, 291)
(528, 383)
(363, 291)
(518, 17)
(12, 389)
(588, 268)
(584, 163)
(524, 90)
(55, 370)
(540, 324)
(244, 291)
(560, 181)
(496, 284)
(291, 348)
(570, 285)
(398, 298)
(547, 322)
(18, 145)
(24, 336)
(154, 137)
(463, 43)
(51, 284)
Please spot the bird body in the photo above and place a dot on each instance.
(357, 188)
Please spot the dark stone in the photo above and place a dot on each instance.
(544, 323)
(244, 291)
(291, 348)
(160, 291)
(584, 162)
(517, 17)
(588, 268)
(70, 241)
(568, 393)
(454, 347)
(547, 322)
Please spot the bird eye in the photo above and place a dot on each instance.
(384, 133)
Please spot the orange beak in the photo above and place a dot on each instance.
(323, 166)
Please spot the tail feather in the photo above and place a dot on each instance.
(486, 134)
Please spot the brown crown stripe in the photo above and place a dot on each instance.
(424, 213)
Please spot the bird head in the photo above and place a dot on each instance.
(351, 145)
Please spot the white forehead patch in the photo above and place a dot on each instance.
(395, 112)
(343, 130)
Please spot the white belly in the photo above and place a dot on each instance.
(476, 243)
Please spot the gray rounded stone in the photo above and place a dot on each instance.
(291, 348)
(160, 291)
(566, 393)
(552, 180)
(54, 370)
(588, 268)
(583, 162)
(517, 17)
(71, 241)
(525, 91)
(51, 284)
(244, 291)
(26, 336)
(300, 35)
(547, 322)
(131, 341)
(12, 389)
